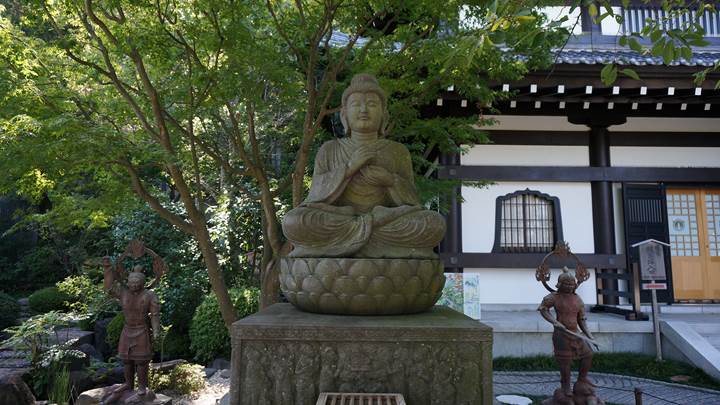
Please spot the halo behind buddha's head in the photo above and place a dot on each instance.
(364, 83)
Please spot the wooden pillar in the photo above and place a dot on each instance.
(602, 195)
(451, 245)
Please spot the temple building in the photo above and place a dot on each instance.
(599, 167)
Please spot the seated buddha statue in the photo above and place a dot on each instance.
(362, 201)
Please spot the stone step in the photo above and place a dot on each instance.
(707, 328)
(714, 340)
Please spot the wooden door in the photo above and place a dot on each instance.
(711, 214)
(646, 218)
(693, 216)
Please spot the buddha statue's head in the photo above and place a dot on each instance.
(364, 106)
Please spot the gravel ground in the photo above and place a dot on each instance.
(216, 387)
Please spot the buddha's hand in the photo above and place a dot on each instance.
(378, 176)
(384, 215)
(360, 158)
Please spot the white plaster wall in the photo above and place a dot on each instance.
(609, 25)
(518, 286)
(657, 156)
(554, 13)
(526, 155)
(532, 123)
(478, 213)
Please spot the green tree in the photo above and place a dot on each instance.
(192, 102)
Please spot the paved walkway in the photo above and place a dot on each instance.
(611, 388)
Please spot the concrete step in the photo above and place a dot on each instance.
(707, 328)
(692, 345)
(714, 340)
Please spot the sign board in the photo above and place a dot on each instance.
(654, 286)
(652, 262)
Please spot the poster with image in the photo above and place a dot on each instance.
(461, 293)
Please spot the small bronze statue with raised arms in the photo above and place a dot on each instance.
(571, 338)
(141, 309)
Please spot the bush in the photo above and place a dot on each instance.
(176, 345)
(48, 299)
(87, 299)
(183, 379)
(10, 309)
(114, 329)
(209, 337)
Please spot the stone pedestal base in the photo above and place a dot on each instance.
(96, 396)
(283, 356)
(362, 286)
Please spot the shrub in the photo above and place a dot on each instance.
(183, 379)
(10, 309)
(48, 299)
(176, 345)
(114, 329)
(209, 337)
(87, 299)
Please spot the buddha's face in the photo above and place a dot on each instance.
(364, 112)
(136, 283)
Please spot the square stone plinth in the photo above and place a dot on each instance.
(283, 356)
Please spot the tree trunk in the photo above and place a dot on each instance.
(217, 282)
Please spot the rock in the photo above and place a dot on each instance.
(220, 364)
(209, 371)
(167, 366)
(78, 363)
(100, 334)
(81, 381)
(116, 375)
(13, 390)
(225, 400)
(225, 373)
(90, 351)
(93, 397)
(513, 400)
(24, 302)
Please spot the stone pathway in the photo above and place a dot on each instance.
(612, 388)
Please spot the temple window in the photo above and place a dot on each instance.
(527, 221)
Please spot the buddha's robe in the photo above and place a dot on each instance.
(358, 215)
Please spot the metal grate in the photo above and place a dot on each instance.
(634, 19)
(338, 398)
(527, 224)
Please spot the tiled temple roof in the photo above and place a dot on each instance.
(577, 56)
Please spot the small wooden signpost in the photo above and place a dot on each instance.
(652, 269)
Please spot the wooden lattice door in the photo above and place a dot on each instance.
(694, 230)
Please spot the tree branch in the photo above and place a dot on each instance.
(142, 192)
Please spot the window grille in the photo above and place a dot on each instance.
(527, 222)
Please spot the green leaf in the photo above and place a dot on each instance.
(687, 52)
(668, 53)
(630, 73)
(623, 41)
(635, 45)
(717, 85)
(593, 11)
(655, 35)
(608, 74)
